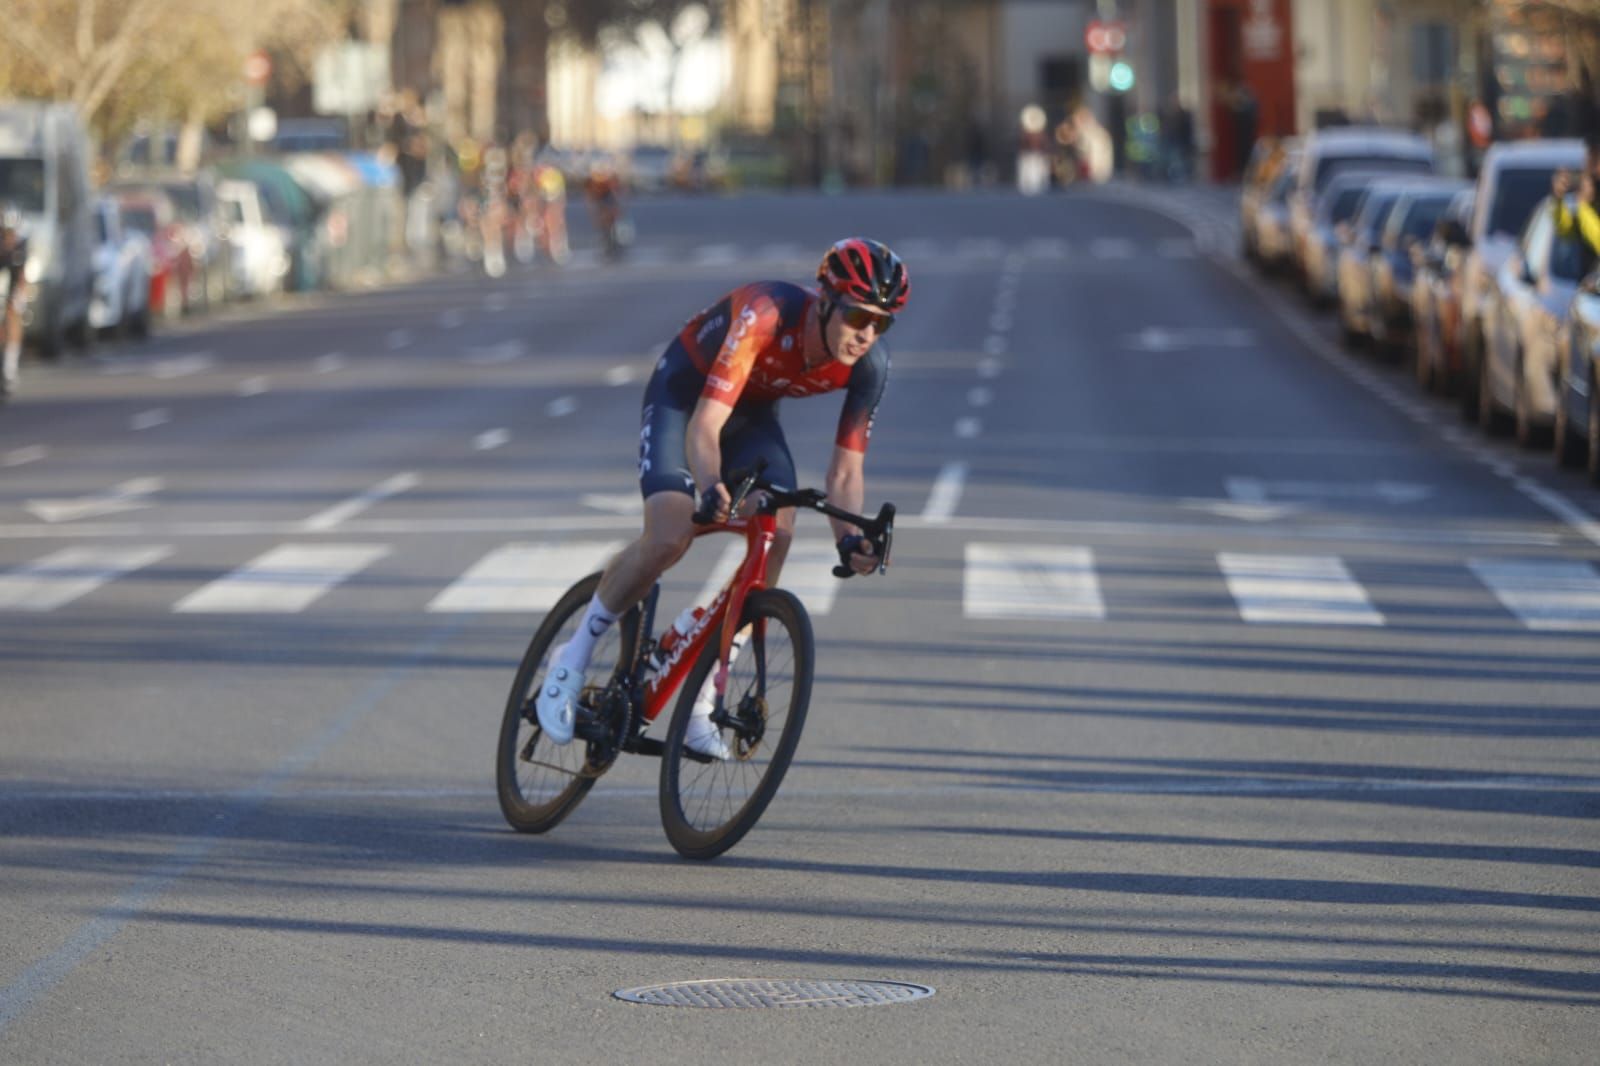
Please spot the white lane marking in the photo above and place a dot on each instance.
(722, 570)
(182, 365)
(63, 576)
(561, 406)
(1030, 581)
(1559, 505)
(978, 396)
(1163, 339)
(989, 368)
(1549, 594)
(156, 416)
(1176, 249)
(968, 427)
(21, 456)
(340, 512)
(995, 345)
(980, 248)
(716, 254)
(808, 573)
(1046, 248)
(621, 375)
(490, 439)
(331, 363)
(1000, 322)
(285, 580)
(523, 577)
(128, 496)
(780, 252)
(397, 339)
(1298, 589)
(1259, 490)
(496, 354)
(451, 319)
(946, 494)
(251, 386)
(614, 502)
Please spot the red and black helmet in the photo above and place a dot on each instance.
(861, 271)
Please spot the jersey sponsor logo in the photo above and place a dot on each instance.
(720, 384)
(737, 333)
(709, 328)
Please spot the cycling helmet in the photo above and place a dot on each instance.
(861, 271)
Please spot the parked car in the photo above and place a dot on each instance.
(1410, 224)
(1359, 242)
(172, 267)
(1274, 245)
(195, 197)
(1576, 422)
(1326, 153)
(122, 257)
(1436, 296)
(259, 248)
(1513, 178)
(1262, 181)
(44, 173)
(1523, 318)
(648, 167)
(1318, 251)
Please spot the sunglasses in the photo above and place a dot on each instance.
(862, 317)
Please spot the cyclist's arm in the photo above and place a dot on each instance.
(846, 485)
(1584, 222)
(704, 442)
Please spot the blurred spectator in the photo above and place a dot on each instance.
(1177, 140)
(603, 191)
(1094, 145)
(550, 191)
(1033, 159)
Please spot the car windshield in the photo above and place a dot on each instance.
(1516, 194)
(1423, 216)
(1345, 203)
(1375, 212)
(1328, 167)
(22, 184)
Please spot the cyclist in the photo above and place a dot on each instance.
(711, 406)
(603, 190)
(13, 262)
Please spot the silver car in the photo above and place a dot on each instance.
(1524, 316)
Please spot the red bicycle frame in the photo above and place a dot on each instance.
(759, 531)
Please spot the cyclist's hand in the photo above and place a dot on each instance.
(714, 504)
(855, 552)
(1561, 182)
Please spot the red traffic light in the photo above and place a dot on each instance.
(1105, 38)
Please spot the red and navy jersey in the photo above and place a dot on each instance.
(750, 345)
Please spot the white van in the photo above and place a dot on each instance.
(260, 249)
(44, 173)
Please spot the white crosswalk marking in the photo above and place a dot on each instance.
(524, 577)
(1551, 594)
(1030, 581)
(1299, 589)
(808, 573)
(716, 254)
(287, 579)
(1046, 248)
(63, 576)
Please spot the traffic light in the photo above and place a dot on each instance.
(1108, 71)
(1120, 77)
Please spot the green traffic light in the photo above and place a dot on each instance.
(1121, 76)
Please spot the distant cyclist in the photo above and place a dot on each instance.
(711, 406)
(13, 264)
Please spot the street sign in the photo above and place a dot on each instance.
(1105, 37)
(257, 68)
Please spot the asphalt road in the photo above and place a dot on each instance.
(1226, 701)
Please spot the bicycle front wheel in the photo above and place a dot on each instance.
(539, 782)
(707, 806)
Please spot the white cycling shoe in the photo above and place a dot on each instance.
(557, 703)
(704, 737)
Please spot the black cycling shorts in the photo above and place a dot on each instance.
(752, 431)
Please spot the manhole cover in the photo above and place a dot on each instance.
(738, 992)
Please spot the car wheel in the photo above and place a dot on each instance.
(1593, 458)
(1569, 447)
(1490, 418)
(1527, 432)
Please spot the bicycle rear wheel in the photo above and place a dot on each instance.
(538, 782)
(708, 806)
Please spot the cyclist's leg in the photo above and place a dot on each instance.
(754, 433)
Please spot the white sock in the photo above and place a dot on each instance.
(575, 654)
(706, 701)
(13, 354)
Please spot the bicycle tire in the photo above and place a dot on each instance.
(708, 807)
(537, 792)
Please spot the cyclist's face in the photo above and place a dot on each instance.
(852, 332)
